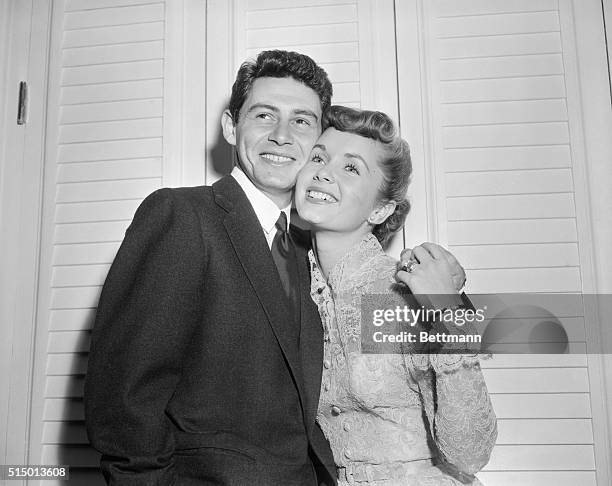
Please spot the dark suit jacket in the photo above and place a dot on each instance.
(195, 375)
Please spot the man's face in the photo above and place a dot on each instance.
(279, 123)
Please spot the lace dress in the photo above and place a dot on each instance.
(391, 420)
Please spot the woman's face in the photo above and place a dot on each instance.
(338, 188)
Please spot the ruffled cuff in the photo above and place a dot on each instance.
(444, 363)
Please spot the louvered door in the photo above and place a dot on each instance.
(505, 171)
(103, 156)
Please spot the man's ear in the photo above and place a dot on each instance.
(229, 128)
(381, 212)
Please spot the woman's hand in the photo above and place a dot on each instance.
(431, 277)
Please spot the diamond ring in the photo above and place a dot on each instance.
(408, 266)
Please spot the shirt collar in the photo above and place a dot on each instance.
(266, 210)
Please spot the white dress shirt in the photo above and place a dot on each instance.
(266, 210)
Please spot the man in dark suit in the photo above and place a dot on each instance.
(203, 370)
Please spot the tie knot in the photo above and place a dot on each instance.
(281, 222)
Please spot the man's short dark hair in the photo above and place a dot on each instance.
(279, 64)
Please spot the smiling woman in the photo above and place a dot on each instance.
(357, 176)
(372, 407)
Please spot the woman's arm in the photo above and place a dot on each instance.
(459, 410)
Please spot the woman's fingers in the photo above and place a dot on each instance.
(435, 250)
(406, 254)
(421, 254)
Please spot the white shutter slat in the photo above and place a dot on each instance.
(98, 93)
(575, 358)
(548, 457)
(501, 67)
(509, 182)
(561, 230)
(64, 387)
(502, 45)
(452, 8)
(86, 56)
(279, 4)
(109, 170)
(537, 380)
(544, 431)
(506, 158)
(118, 110)
(507, 280)
(517, 256)
(119, 15)
(524, 134)
(84, 253)
(72, 320)
(96, 211)
(112, 130)
(346, 93)
(129, 149)
(109, 73)
(512, 207)
(76, 275)
(106, 231)
(342, 72)
(79, 5)
(312, 15)
(505, 89)
(496, 113)
(64, 409)
(68, 342)
(511, 23)
(66, 364)
(339, 52)
(538, 478)
(114, 35)
(542, 405)
(75, 298)
(297, 35)
(106, 190)
(506, 135)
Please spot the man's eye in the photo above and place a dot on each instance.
(264, 116)
(303, 121)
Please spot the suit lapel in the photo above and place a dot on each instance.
(252, 250)
(311, 335)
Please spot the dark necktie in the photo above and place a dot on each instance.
(283, 254)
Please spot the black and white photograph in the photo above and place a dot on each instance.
(306, 243)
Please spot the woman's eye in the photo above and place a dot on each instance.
(317, 159)
(352, 168)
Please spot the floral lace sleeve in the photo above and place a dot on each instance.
(458, 408)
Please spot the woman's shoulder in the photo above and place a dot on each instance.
(382, 271)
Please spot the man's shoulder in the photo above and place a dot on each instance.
(190, 193)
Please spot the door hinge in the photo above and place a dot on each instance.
(22, 111)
